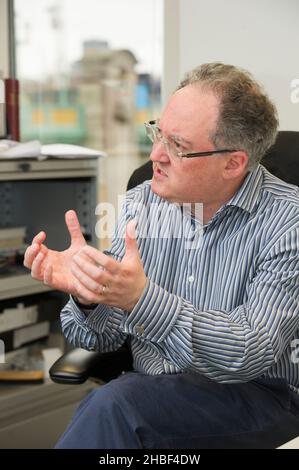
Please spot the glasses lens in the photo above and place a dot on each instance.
(173, 151)
(154, 134)
(150, 132)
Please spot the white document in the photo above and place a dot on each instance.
(69, 151)
(11, 149)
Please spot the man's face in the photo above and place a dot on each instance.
(191, 116)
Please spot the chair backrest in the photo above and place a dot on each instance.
(282, 160)
(142, 173)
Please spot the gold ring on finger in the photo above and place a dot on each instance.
(104, 288)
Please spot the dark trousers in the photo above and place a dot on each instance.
(184, 411)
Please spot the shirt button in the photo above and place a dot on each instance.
(139, 330)
(191, 278)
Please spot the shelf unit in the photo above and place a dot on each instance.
(20, 282)
(36, 194)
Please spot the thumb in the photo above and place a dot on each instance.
(74, 228)
(48, 275)
(131, 243)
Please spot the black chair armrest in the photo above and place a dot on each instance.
(78, 365)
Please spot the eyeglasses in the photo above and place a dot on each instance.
(174, 146)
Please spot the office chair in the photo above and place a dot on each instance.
(78, 365)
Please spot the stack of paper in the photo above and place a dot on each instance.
(69, 151)
(34, 149)
(11, 149)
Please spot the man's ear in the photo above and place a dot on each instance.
(235, 165)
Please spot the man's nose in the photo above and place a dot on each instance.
(159, 152)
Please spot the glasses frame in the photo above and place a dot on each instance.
(150, 127)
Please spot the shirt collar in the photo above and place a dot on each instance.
(245, 198)
(248, 194)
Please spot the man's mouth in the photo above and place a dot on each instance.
(159, 173)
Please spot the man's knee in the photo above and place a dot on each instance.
(114, 398)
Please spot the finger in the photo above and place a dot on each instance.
(30, 254)
(97, 273)
(84, 293)
(100, 258)
(131, 229)
(34, 248)
(131, 243)
(36, 269)
(48, 275)
(86, 280)
(39, 238)
(74, 228)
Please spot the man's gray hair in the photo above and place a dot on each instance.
(247, 119)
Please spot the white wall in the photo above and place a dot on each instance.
(259, 35)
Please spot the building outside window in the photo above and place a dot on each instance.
(90, 74)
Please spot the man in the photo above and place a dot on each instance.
(208, 299)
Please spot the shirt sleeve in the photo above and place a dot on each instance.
(239, 345)
(99, 329)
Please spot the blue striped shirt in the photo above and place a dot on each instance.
(221, 299)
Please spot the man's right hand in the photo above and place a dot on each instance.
(53, 267)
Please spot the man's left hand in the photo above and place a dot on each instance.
(101, 279)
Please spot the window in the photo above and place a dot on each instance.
(90, 74)
(89, 71)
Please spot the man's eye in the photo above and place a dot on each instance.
(178, 145)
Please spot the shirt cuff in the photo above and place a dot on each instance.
(154, 314)
(78, 313)
(95, 318)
